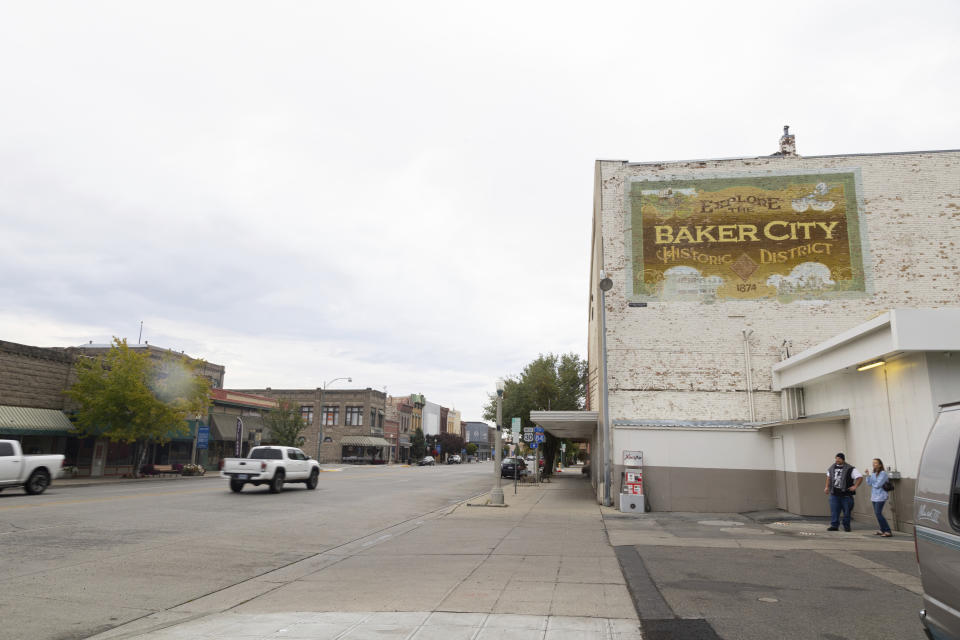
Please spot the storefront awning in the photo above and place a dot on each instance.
(573, 425)
(223, 426)
(363, 441)
(34, 422)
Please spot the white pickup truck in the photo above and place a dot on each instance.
(271, 465)
(33, 473)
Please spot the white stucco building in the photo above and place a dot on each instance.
(431, 419)
(739, 287)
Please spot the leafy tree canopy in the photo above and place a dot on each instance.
(127, 396)
(417, 444)
(451, 443)
(550, 382)
(285, 424)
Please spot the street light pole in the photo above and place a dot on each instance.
(605, 285)
(496, 495)
(323, 415)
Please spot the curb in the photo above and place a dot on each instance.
(64, 484)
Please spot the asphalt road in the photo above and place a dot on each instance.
(76, 561)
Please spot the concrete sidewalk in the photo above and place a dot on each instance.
(540, 568)
(754, 576)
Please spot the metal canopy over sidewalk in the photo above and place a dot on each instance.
(223, 426)
(363, 441)
(571, 425)
(34, 422)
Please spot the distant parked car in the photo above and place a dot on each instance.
(454, 459)
(513, 466)
(427, 460)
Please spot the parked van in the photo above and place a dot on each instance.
(936, 517)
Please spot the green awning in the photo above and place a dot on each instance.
(363, 441)
(27, 421)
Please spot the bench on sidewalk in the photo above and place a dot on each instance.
(162, 470)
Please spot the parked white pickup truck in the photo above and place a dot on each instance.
(33, 473)
(273, 466)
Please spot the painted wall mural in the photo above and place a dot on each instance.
(771, 236)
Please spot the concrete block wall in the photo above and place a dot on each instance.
(342, 398)
(35, 376)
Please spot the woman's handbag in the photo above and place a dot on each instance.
(888, 485)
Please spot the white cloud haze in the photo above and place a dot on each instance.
(397, 192)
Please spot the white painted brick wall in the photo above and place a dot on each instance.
(684, 360)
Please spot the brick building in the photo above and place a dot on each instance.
(391, 433)
(454, 423)
(401, 410)
(348, 427)
(212, 372)
(720, 270)
(32, 402)
(34, 409)
(444, 413)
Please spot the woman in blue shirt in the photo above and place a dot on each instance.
(876, 478)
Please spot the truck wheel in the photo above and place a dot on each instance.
(314, 480)
(236, 486)
(276, 485)
(37, 483)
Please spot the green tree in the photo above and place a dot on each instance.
(472, 448)
(550, 382)
(285, 424)
(417, 444)
(126, 396)
(450, 443)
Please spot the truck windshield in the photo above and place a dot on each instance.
(266, 454)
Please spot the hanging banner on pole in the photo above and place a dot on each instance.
(238, 449)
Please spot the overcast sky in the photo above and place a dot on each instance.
(397, 192)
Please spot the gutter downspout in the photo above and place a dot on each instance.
(893, 446)
(748, 371)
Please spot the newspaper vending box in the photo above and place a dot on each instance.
(631, 483)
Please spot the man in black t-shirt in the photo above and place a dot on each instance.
(842, 482)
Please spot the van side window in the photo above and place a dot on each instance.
(6, 449)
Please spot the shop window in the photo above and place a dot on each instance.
(331, 415)
(354, 416)
(306, 412)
